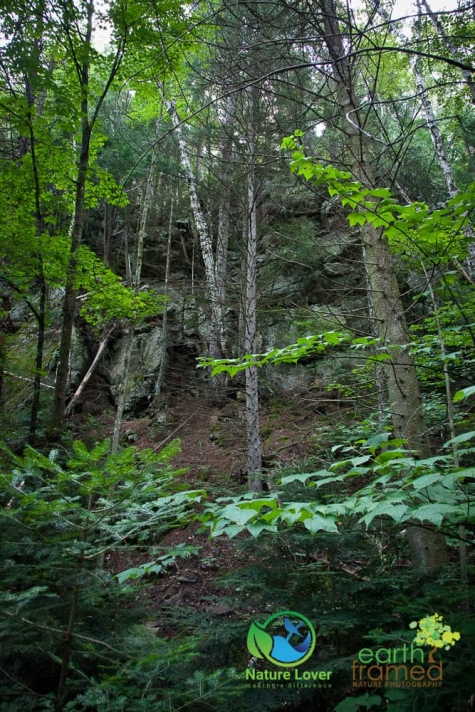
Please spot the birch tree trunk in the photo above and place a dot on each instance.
(224, 208)
(217, 341)
(450, 46)
(427, 547)
(427, 108)
(254, 455)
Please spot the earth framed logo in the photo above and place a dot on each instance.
(285, 639)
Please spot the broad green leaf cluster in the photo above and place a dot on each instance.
(385, 482)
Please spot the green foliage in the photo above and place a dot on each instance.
(464, 393)
(380, 480)
(107, 298)
(157, 565)
(437, 234)
(306, 345)
(58, 521)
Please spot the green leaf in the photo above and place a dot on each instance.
(464, 393)
(303, 477)
(356, 219)
(231, 530)
(426, 480)
(433, 513)
(316, 523)
(463, 438)
(256, 529)
(353, 704)
(133, 573)
(259, 642)
(395, 511)
(258, 504)
(238, 515)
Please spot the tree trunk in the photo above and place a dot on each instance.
(427, 547)
(69, 633)
(147, 201)
(41, 313)
(379, 378)
(254, 455)
(217, 339)
(69, 304)
(123, 389)
(224, 208)
(450, 46)
(161, 371)
(90, 371)
(40, 342)
(82, 68)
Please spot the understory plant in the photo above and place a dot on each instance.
(65, 619)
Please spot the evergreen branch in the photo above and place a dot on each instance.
(87, 638)
(22, 684)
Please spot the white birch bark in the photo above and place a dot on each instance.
(224, 207)
(434, 18)
(206, 243)
(254, 454)
(427, 108)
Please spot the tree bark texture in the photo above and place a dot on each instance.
(69, 303)
(163, 356)
(427, 547)
(217, 340)
(224, 210)
(450, 46)
(254, 454)
(40, 342)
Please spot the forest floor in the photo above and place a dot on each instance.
(213, 457)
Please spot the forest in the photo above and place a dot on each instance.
(237, 356)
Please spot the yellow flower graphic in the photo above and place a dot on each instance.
(432, 631)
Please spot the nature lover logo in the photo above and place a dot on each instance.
(286, 639)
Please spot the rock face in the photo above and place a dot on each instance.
(309, 280)
(145, 363)
(321, 283)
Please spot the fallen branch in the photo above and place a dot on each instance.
(24, 378)
(89, 373)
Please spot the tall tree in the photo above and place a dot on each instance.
(76, 21)
(217, 329)
(427, 547)
(254, 453)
